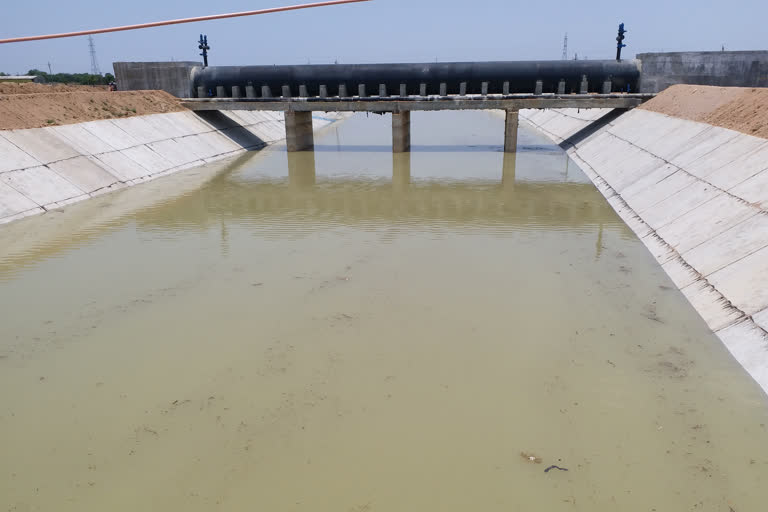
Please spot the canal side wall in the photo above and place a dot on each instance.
(697, 196)
(722, 69)
(172, 77)
(47, 168)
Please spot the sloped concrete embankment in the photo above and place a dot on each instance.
(697, 196)
(47, 168)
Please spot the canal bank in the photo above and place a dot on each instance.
(46, 168)
(349, 329)
(696, 194)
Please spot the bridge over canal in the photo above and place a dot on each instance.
(400, 89)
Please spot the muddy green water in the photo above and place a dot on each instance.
(348, 332)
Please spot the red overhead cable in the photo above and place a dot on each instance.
(177, 22)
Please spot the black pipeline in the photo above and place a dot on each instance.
(442, 78)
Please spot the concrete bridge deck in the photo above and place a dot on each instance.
(412, 103)
(298, 110)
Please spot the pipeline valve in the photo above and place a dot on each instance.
(620, 41)
(204, 46)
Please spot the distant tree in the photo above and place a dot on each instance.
(73, 78)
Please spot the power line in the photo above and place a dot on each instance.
(176, 22)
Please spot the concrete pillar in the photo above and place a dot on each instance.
(510, 132)
(584, 89)
(401, 171)
(301, 169)
(401, 132)
(303, 93)
(484, 88)
(286, 91)
(539, 88)
(323, 91)
(221, 92)
(266, 92)
(607, 86)
(343, 91)
(201, 93)
(561, 87)
(361, 90)
(505, 88)
(403, 90)
(508, 171)
(236, 91)
(250, 91)
(383, 90)
(298, 131)
(443, 89)
(463, 89)
(422, 89)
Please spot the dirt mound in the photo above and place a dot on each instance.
(31, 88)
(739, 108)
(38, 105)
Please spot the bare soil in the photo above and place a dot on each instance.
(741, 109)
(37, 105)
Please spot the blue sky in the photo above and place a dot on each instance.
(377, 31)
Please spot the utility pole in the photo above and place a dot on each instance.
(94, 63)
(565, 47)
(620, 41)
(204, 46)
(49, 69)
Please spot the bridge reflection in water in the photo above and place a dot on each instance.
(294, 198)
(302, 197)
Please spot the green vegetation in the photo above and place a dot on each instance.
(73, 78)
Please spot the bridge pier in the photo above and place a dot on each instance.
(401, 171)
(508, 171)
(510, 132)
(298, 131)
(401, 132)
(301, 170)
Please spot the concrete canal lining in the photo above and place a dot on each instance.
(697, 196)
(46, 168)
